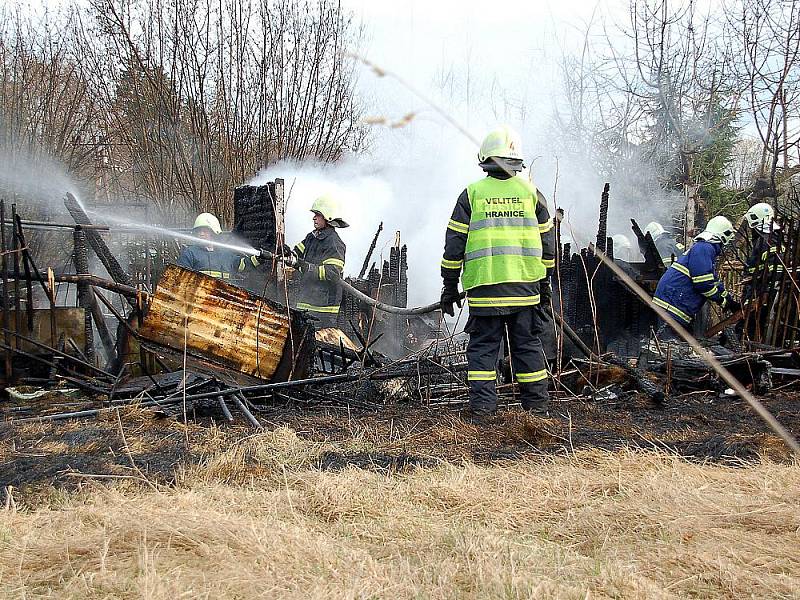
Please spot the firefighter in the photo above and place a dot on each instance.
(320, 259)
(207, 258)
(692, 279)
(668, 248)
(763, 268)
(623, 250)
(500, 241)
(766, 243)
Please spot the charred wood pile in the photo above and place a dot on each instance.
(193, 345)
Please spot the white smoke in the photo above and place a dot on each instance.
(35, 182)
(484, 66)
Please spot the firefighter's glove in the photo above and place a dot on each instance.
(450, 297)
(545, 292)
(732, 304)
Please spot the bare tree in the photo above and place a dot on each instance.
(208, 92)
(46, 108)
(175, 102)
(767, 35)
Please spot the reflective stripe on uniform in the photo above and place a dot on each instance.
(503, 251)
(217, 274)
(458, 227)
(481, 375)
(673, 309)
(703, 278)
(321, 272)
(696, 279)
(681, 269)
(502, 222)
(334, 261)
(320, 309)
(712, 291)
(773, 250)
(508, 301)
(532, 377)
(503, 242)
(302, 247)
(452, 264)
(549, 263)
(243, 263)
(770, 268)
(546, 226)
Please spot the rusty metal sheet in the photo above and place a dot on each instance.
(222, 324)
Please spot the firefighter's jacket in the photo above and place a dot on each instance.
(500, 242)
(319, 294)
(763, 266)
(668, 247)
(216, 262)
(690, 281)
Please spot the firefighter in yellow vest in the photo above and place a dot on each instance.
(500, 242)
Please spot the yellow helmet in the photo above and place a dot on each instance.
(503, 142)
(207, 220)
(718, 230)
(329, 208)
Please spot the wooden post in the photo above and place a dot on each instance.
(280, 226)
(81, 260)
(51, 284)
(8, 370)
(15, 245)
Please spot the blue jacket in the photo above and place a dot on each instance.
(219, 262)
(690, 281)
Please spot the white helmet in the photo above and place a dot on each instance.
(655, 229)
(329, 208)
(719, 230)
(760, 216)
(207, 220)
(503, 142)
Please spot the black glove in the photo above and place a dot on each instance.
(545, 292)
(264, 255)
(450, 296)
(732, 304)
(285, 250)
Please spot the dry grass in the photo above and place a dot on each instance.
(262, 520)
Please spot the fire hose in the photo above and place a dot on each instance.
(429, 308)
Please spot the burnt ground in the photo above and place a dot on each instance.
(700, 426)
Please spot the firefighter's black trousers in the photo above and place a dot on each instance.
(527, 358)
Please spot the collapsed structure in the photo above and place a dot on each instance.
(156, 334)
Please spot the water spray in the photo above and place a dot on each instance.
(163, 231)
(72, 199)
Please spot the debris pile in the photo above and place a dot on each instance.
(198, 347)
